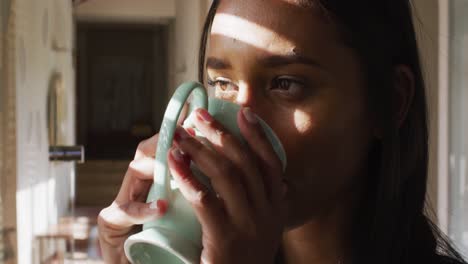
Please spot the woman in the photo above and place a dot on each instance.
(340, 83)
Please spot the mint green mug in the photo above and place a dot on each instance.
(175, 238)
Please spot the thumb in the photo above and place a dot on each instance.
(132, 213)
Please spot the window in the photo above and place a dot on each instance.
(458, 127)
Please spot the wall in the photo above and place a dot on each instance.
(184, 33)
(8, 134)
(43, 46)
(190, 16)
(7, 151)
(124, 10)
(184, 28)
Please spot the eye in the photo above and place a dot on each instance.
(222, 84)
(224, 88)
(288, 86)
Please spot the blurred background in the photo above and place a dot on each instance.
(82, 82)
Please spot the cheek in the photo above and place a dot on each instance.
(325, 158)
(303, 121)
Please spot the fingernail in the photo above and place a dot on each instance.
(249, 116)
(180, 134)
(191, 131)
(204, 115)
(178, 155)
(159, 205)
(162, 205)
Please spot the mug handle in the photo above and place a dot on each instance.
(162, 185)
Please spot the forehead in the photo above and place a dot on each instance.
(272, 25)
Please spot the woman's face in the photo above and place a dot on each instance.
(289, 65)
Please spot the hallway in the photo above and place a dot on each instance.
(44, 106)
(93, 77)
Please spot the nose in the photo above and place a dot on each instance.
(246, 95)
(243, 96)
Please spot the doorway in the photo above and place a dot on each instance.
(122, 87)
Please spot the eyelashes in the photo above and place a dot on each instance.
(222, 84)
(287, 87)
(224, 89)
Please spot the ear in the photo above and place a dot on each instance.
(404, 91)
(404, 86)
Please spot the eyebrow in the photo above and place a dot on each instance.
(268, 61)
(282, 60)
(217, 64)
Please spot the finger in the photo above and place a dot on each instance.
(206, 205)
(226, 143)
(183, 113)
(137, 181)
(223, 141)
(261, 146)
(224, 176)
(132, 213)
(147, 148)
(141, 169)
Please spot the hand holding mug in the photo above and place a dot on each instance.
(221, 197)
(242, 219)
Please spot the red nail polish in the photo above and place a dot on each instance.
(177, 136)
(178, 155)
(162, 205)
(191, 131)
(180, 134)
(187, 159)
(204, 116)
(181, 157)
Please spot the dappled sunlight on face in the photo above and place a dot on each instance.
(302, 121)
(289, 66)
(240, 29)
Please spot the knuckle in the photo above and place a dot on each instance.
(223, 136)
(132, 164)
(228, 167)
(101, 217)
(104, 221)
(245, 157)
(131, 210)
(198, 147)
(202, 199)
(230, 140)
(250, 227)
(142, 144)
(132, 169)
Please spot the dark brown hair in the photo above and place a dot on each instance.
(392, 227)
